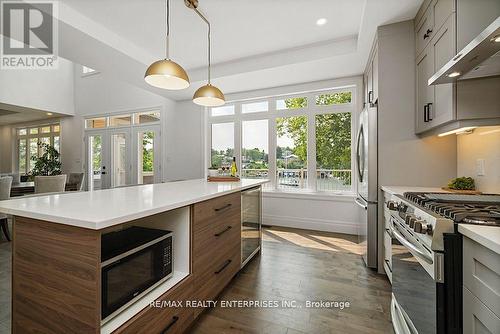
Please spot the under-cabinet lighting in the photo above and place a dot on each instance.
(453, 74)
(467, 129)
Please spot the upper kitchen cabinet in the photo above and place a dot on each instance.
(370, 78)
(442, 28)
(435, 105)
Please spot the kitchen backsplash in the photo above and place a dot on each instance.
(479, 153)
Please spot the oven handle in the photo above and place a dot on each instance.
(399, 237)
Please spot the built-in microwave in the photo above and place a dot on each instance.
(133, 262)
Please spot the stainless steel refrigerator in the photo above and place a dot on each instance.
(367, 184)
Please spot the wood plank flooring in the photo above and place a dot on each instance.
(300, 265)
(295, 265)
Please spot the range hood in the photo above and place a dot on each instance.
(480, 58)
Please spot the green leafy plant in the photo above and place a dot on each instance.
(49, 163)
(462, 183)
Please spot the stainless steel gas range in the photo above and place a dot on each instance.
(427, 257)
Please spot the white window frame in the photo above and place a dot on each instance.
(311, 110)
(39, 135)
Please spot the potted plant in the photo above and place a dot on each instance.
(49, 163)
(213, 171)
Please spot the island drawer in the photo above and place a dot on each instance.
(224, 208)
(165, 320)
(215, 238)
(211, 280)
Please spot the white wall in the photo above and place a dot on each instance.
(181, 125)
(483, 143)
(47, 90)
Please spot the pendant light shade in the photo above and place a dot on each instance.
(166, 74)
(209, 96)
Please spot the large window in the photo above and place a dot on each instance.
(28, 140)
(300, 142)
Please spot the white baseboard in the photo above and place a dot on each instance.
(312, 224)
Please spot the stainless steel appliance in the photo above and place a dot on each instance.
(251, 223)
(480, 58)
(367, 184)
(427, 257)
(134, 261)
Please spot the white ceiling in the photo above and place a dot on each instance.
(256, 43)
(10, 114)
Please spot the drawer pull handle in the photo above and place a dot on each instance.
(227, 263)
(427, 33)
(222, 232)
(223, 207)
(174, 320)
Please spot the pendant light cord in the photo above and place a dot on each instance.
(209, 41)
(167, 47)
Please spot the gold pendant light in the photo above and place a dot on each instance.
(166, 73)
(208, 95)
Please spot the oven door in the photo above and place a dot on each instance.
(413, 283)
(126, 279)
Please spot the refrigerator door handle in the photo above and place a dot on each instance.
(358, 155)
(361, 204)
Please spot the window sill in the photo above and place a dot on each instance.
(310, 195)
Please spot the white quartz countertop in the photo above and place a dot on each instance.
(399, 190)
(105, 208)
(487, 236)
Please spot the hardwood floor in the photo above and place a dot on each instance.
(295, 265)
(304, 266)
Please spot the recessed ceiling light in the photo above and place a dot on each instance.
(496, 39)
(453, 74)
(49, 114)
(321, 22)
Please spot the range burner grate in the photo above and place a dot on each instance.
(471, 209)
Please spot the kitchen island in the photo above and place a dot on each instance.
(56, 272)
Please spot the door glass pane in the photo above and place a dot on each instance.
(55, 128)
(255, 149)
(45, 129)
(291, 152)
(21, 132)
(333, 152)
(33, 131)
(145, 154)
(291, 103)
(222, 152)
(95, 158)
(120, 120)
(22, 156)
(118, 160)
(33, 153)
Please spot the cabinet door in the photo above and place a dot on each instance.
(424, 31)
(369, 78)
(473, 17)
(478, 319)
(425, 93)
(442, 10)
(375, 76)
(444, 48)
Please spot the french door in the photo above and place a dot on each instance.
(122, 156)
